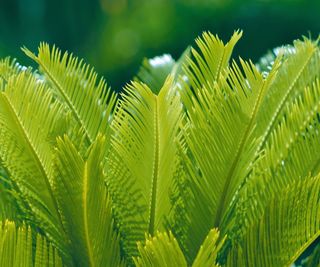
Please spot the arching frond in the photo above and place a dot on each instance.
(291, 154)
(212, 60)
(8, 67)
(291, 222)
(222, 121)
(28, 117)
(89, 100)
(144, 160)
(16, 248)
(85, 205)
(299, 70)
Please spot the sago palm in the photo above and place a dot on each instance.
(199, 162)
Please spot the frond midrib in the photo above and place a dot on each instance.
(40, 164)
(155, 171)
(282, 103)
(222, 202)
(85, 215)
(66, 97)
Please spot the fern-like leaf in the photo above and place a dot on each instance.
(291, 222)
(144, 160)
(85, 205)
(89, 100)
(28, 117)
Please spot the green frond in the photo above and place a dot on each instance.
(208, 252)
(299, 70)
(222, 121)
(291, 222)
(207, 66)
(291, 154)
(85, 205)
(9, 208)
(144, 160)
(18, 249)
(89, 100)
(8, 67)
(28, 117)
(162, 250)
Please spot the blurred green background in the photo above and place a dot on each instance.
(115, 35)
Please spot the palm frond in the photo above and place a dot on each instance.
(300, 68)
(28, 117)
(85, 205)
(208, 252)
(144, 160)
(162, 250)
(9, 67)
(222, 121)
(89, 100)
(212, 60)
(291, 222)
(291, 154)
(18, 249)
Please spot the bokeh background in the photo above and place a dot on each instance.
(115, 35)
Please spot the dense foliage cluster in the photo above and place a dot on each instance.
(199, 162)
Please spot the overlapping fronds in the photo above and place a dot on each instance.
(17, 248)
(151, 179)
(89, 99)
(222, 119)
(207, 66)
(163, 250)
(299, 69)
(28, 118)
(9, 67)
(292, 154)
(291, 222)
(144, 159)
(85, 205)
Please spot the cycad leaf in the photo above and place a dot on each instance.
(85, 206)
(144, 160)
(16, 248)
(8, 67)
(299, 69)
(28, 118)
(212, 60)
(90, 102)
(162, 250)
(222, 120)
(208, 252)
(291, 154)
(291, 222)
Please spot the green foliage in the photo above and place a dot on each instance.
(199, 162)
